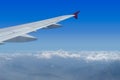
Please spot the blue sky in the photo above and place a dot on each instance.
(98, 27)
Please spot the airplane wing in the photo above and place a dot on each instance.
(17, 33)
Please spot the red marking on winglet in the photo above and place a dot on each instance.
(76, 14)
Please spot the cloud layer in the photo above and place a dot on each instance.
(80, 55)
(60, 65)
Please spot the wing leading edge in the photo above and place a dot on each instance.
(16, 32)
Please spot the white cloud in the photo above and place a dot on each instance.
(103, 56)
(57, 65)
(80, 55)
(62, 54)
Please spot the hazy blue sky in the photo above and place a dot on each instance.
(98, 27)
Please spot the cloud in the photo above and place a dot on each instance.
(80, 55)
(104, 56)
(62, 54)
(60, 65)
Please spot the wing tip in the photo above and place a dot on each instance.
(76, 14)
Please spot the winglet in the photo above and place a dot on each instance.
(76, 14)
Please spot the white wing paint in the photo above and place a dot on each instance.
(20, 33)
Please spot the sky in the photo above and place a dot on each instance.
(98, 26)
